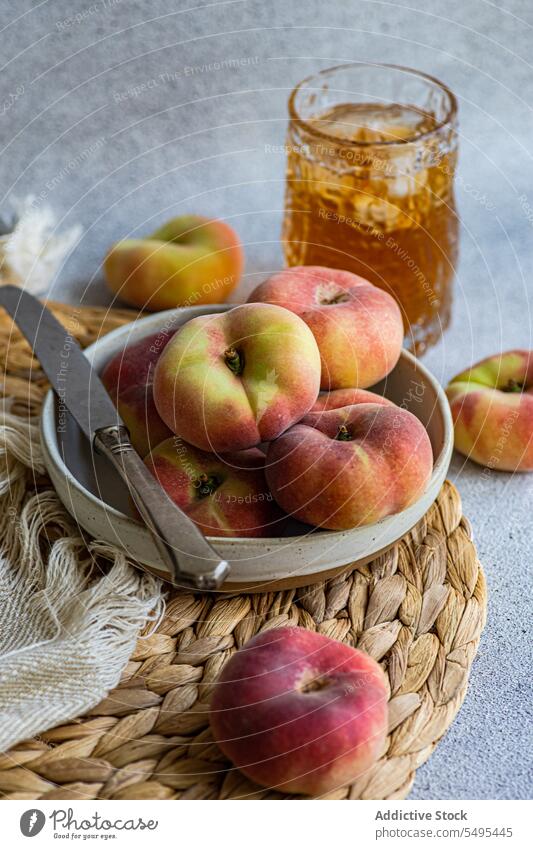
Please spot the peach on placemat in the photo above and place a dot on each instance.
(235, 379)
(128, 377)
(351, 466)
(492, 410)
(190, 260)
(299, 712)
(358, 327)
(345, 398)
(225, 496)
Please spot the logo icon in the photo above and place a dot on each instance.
(32, 822)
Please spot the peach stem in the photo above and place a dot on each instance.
(513, 386)
(206, 485)
(313, 685)
(341, 298)
(234, 360)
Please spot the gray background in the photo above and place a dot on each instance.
(119, 123)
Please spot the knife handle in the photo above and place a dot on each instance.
(190, 558)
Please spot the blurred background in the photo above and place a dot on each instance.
(120, 114)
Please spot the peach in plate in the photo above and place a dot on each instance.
(129, 377)
(232, 380)
(351, 466)
(358, 327)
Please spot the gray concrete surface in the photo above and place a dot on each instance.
(120, 114)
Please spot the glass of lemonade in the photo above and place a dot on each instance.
(372, 151)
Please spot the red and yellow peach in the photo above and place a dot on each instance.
(350, 466)
(358, 327)
(299, 712)
(224, 496)
(128, 377)
(492, 410)
(190, 260)
(232, 380)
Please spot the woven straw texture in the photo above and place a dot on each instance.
(419, 610)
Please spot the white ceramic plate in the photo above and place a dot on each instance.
(93, 494)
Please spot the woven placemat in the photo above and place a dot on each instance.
(419, 610)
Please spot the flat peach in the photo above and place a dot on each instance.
(225, 496)
(492, 410)
(190, 260)
(232, 380)
(351, 466)
(358, 327)
(299, 712)
(129, 377)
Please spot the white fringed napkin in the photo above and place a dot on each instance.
(66, 630)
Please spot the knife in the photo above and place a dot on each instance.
(191, 560)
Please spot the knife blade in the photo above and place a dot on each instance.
(190, 558)
(64, 363)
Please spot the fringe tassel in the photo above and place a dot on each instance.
(70, 614)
